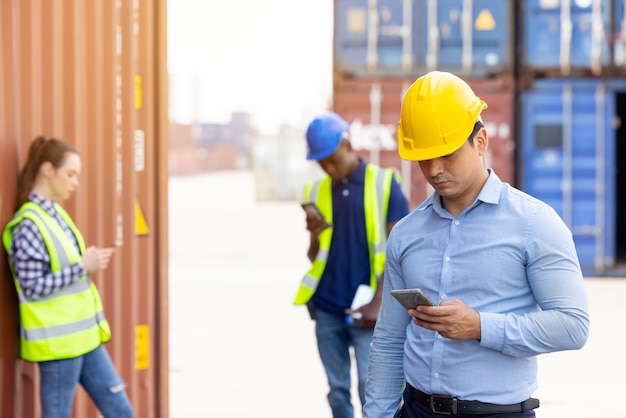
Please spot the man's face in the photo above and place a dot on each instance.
(339, 164)
(460, 173)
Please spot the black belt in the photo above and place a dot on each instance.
(447, 405)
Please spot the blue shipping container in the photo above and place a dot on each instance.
(571, 35)
(571, 152)
(396, 38)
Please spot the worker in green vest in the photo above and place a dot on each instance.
(62, 323)
(354, 208)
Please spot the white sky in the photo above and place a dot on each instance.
(272, 58)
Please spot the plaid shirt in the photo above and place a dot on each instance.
(31, 260)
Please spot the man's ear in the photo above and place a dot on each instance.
(345, 142)
(481, 141)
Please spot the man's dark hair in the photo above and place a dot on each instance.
(477, 126)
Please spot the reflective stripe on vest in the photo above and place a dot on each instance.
(66, 323)
(377, 190)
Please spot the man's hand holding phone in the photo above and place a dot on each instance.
(315, 221)
(452, 319)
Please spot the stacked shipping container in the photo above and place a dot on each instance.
(561, 130)
(381, 47)
(571, 105)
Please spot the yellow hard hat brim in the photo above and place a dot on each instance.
(411, 153)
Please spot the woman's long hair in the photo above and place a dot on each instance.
(43, 149)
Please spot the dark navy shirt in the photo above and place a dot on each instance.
(348, 263)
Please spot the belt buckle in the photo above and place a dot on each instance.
(453, 404)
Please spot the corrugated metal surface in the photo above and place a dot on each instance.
(396, 38)
(573, 36)
(373, 109)
(571, 135)
(8, 169)
(94, 73)
(499, 119)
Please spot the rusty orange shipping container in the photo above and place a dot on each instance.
(372, 106)
(95, 74)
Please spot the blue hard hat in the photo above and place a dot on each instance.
(324, 135)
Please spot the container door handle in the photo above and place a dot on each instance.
(407, 36)
(433, 36)
(566, 36)
(376, 98)
(467, 38)
(600, 188)
(622, 36)
(567, 154)
(597, 37)
(372, 36)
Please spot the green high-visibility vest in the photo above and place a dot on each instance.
(377, 189)
(66, 323)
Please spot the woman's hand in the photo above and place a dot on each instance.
(95, 258)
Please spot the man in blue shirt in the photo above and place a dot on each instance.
(358, 204)
(500, 265)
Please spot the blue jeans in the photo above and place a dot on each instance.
(334, 338)
(96, 374)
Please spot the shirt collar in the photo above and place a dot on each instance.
(356, 177)
(47, 205)
(490, 193)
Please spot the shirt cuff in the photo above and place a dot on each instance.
(492, 330)
(78, 271)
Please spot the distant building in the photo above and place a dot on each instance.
(199, 147)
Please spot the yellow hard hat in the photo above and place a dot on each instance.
(438, 114)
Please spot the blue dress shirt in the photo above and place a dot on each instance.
(508, 256)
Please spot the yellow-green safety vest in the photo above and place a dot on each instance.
(376, 202)
(67, 323)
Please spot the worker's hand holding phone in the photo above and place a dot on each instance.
(315, 221)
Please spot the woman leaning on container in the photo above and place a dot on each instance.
(62, 324)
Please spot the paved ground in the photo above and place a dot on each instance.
(239, 348)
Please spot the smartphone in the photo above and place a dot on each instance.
(311, 209)
(411, 298)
